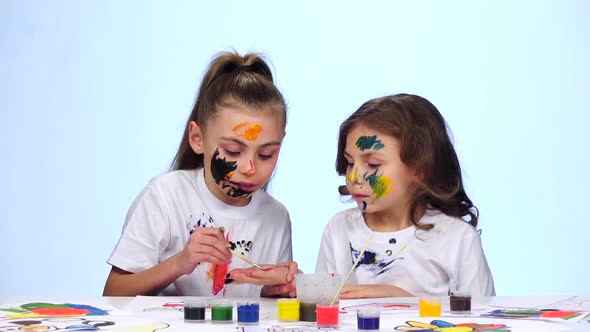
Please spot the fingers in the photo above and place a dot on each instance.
(209, 245)
(276, 275)
(283, 290)
(293, 269)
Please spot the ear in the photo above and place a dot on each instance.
(195, 137)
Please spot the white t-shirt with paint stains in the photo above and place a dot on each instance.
(447, 257)
(159, 221)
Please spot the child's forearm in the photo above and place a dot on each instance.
(148, 282)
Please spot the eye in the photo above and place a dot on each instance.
(374, 165)
(265, 156)
(231, 153)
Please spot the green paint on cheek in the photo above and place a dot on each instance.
(381, 184)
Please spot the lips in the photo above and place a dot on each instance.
(359, 196)
(243, 186)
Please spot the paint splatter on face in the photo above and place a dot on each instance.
(247, 130)
(222, 170)
(381, 185)
(353, 176)
(369, 142)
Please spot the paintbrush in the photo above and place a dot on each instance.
(245, 259)
(235, 253)
(358, 259)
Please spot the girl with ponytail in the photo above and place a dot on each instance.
(180, 232)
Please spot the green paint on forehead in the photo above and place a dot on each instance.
(369, 142)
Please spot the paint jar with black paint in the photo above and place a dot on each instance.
(460, 302)
(194, 310)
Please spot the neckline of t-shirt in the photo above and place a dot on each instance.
(217, 206)
(380, 236)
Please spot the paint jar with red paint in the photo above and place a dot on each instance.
(327, 315)
(314, 289)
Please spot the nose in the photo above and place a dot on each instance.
(354, 176)
(247, 168)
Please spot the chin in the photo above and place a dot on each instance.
(364, 207)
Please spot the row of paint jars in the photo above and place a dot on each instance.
(221, 311)
(325, 315)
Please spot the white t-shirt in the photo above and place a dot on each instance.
(433, 262)
(158, 226)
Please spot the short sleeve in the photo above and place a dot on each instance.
(286, 248)
(326, 256)
(472, 272)
(145, 235)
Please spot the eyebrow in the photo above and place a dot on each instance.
(364, 154)
(241, 143)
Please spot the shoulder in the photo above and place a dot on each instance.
(447, 226)
(270, 205)
(345, 219)
(166, 187)
(174, 180)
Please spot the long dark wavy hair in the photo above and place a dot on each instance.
(230, 78)
(425, 146)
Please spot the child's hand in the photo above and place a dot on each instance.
(370, 291)
(269, 275)
(204, 245)
(277, 279)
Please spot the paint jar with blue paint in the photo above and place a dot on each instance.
(248, 312)
(367, 319)
(194, 310)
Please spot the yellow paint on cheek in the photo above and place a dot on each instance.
(382, 186)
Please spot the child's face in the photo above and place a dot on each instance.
(376, 177)
(240, 147)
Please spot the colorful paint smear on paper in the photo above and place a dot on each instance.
(43, 309)
(79, 324)
(383, 307)
(381, 185)
(248, 131)
(369, 142)
(534, 313)
(444, 326)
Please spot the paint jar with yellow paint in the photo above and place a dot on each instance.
(288, 310)
(429, 307)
